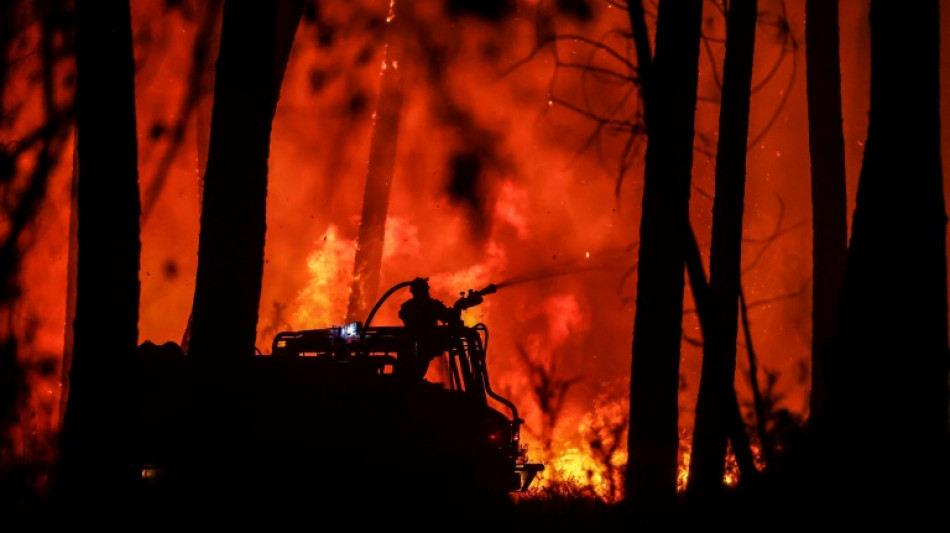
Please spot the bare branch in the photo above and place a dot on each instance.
(620, 124)
(605, 72)
(549, 391)
(597, 45)
(784, 296)
(781, 105)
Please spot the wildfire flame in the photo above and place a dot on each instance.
(330, 267)
(496, 175)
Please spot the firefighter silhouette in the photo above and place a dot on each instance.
(423, 315)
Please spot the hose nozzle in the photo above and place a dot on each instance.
(491, 289)
(474, 297)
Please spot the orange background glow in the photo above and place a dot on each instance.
(544, 200)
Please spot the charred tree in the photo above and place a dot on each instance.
(653, 438)
(887, 378)
(256, 38)
(716, 397)
(379, 175)
(828, 187)
(99, 424)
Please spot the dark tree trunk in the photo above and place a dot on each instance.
(72, 266)
(887, 375)
(717, 383)
(641, 42)
(99, 424)
(206, 49)
(732, 416)
(653, 438)
(256, 38)
(828, 187)
(250, 69)
(693, 258)
(379, 176)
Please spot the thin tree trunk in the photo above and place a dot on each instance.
(379, 175)
(703, 299)
(72, 257)
(72, 265)
(207, 49)
(99, 423)
(757, 401)
(653, 437)
(887, 378)
(828, 187)
(641, 40)
(717, 382)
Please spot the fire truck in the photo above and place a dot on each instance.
(339, 403)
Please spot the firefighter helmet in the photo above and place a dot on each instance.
(419, 287)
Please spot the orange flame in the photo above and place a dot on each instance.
(323, 301)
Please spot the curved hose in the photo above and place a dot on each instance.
(379, 303)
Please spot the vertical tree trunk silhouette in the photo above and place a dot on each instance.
(256, 38)
(717, 382)
(254, 52)
(72, 266)
(255, 45)
(693, 257)
(100, 419)
(828, 187)
(653, 438)
(641, 44)
(379, 174)
(205, 54)
(887, 378)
